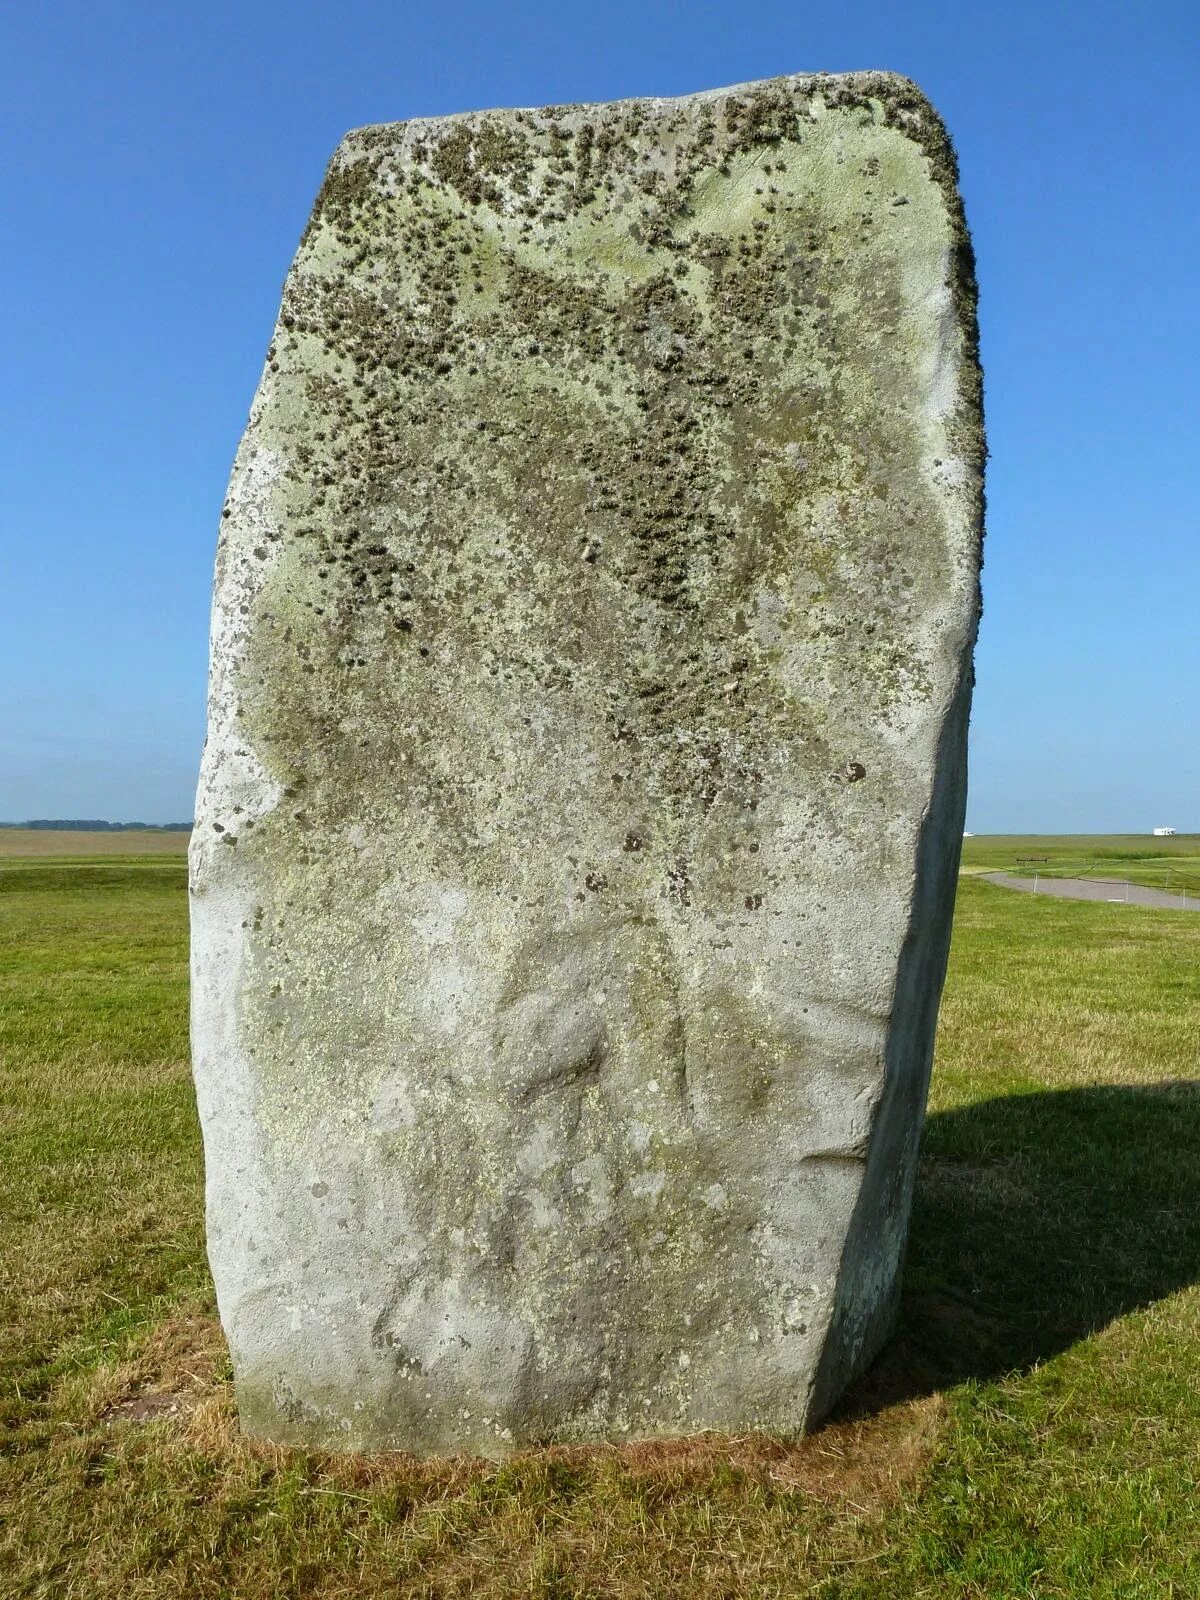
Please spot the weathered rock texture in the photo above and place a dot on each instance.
(584, 783)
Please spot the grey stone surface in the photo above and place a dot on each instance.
(583, 791)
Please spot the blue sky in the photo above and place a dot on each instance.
(158, 167)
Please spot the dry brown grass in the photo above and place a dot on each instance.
(68, 842)
(179, 1380)
(148, 1491)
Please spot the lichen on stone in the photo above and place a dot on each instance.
(601, 632)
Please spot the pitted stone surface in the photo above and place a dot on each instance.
(581, 804)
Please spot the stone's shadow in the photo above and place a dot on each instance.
(1038, 1219)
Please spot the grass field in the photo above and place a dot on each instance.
(1034, 1430)
(65, 845)
(1171, 864)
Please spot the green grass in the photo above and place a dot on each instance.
(1172, 864)
(1034, 1430)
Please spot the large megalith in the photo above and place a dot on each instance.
(582, 799)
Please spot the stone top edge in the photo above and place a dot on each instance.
(901, 92)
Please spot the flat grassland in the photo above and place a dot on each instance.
(1171, 864)
(1034, 1429)
(69, 844)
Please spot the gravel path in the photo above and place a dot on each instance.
(1133, 894)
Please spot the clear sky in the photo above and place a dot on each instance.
(158, 165)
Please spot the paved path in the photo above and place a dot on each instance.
(1133, 894)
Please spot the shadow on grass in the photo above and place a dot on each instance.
(1038, 1219)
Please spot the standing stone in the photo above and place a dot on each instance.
(581, 806)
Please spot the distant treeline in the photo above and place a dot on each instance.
(91, 825)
